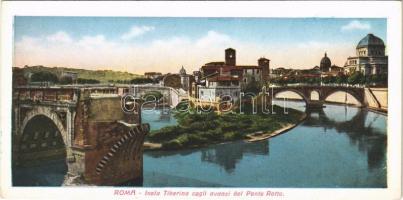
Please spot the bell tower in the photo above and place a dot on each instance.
(264, 63)
(230, 57)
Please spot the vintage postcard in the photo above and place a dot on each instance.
(201, 100)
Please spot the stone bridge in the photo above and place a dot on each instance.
(315, 96)
(85, 126)
(172, 96)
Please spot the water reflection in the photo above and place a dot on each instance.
(224, 155)
(48, 173)
(158, 118)
(41, 158)
(165, 115)
(227, 156)
(368, 139)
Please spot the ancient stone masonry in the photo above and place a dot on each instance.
(102, 144)
(322, 92)
(123, 151)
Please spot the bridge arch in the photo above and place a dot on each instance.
(352, 93)
(40, 144)
(315, 95)
(173, 95)
(48, 113)
(299, 93)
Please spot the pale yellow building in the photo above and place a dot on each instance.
(370, 57)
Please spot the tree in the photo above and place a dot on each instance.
(328, 79)
(355, 78)
(66, 80)
(383, 79)
(253, 87)
(141, 81)
(313, 80)
(341, 79)
(44, 76)
(372, 79)
(87, 81)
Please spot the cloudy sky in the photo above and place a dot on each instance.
(138, 45)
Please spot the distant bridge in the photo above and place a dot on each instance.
(315, 95)
(85, 125)
(172, 96)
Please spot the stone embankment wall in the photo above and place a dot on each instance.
(377, 98)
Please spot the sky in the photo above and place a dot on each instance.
(164, 44)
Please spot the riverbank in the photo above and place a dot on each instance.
(197, 130)
(260, 135)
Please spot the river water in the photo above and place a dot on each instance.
(335, 147)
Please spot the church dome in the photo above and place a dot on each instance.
(325, 63)
(370, 40)
(182, 71)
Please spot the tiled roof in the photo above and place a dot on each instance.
(370, 40)
(248, 67)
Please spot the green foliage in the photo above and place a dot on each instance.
(329, 79)
(103, 76)
(120, 81)
(196, 129)
(233, 135)
(296, 79)
(213, 134)
(315, 80)
(253, 87)
(353, 79)
(172, 144)
(377, 79)
(383, 79)
(356, 78)
(196, 139)
(185, 105)
(87, 81)
(164, 134)
(141, 81)
(342, 79)
(44, 76)
(66, 80)
(371, 79)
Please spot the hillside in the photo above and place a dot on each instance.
(102, 75)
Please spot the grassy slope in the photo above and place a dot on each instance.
(101, 75)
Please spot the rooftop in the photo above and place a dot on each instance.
(370, 40)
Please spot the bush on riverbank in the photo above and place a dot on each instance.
(198, 129)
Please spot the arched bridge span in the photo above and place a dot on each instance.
(101, 143)
(320, 92)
